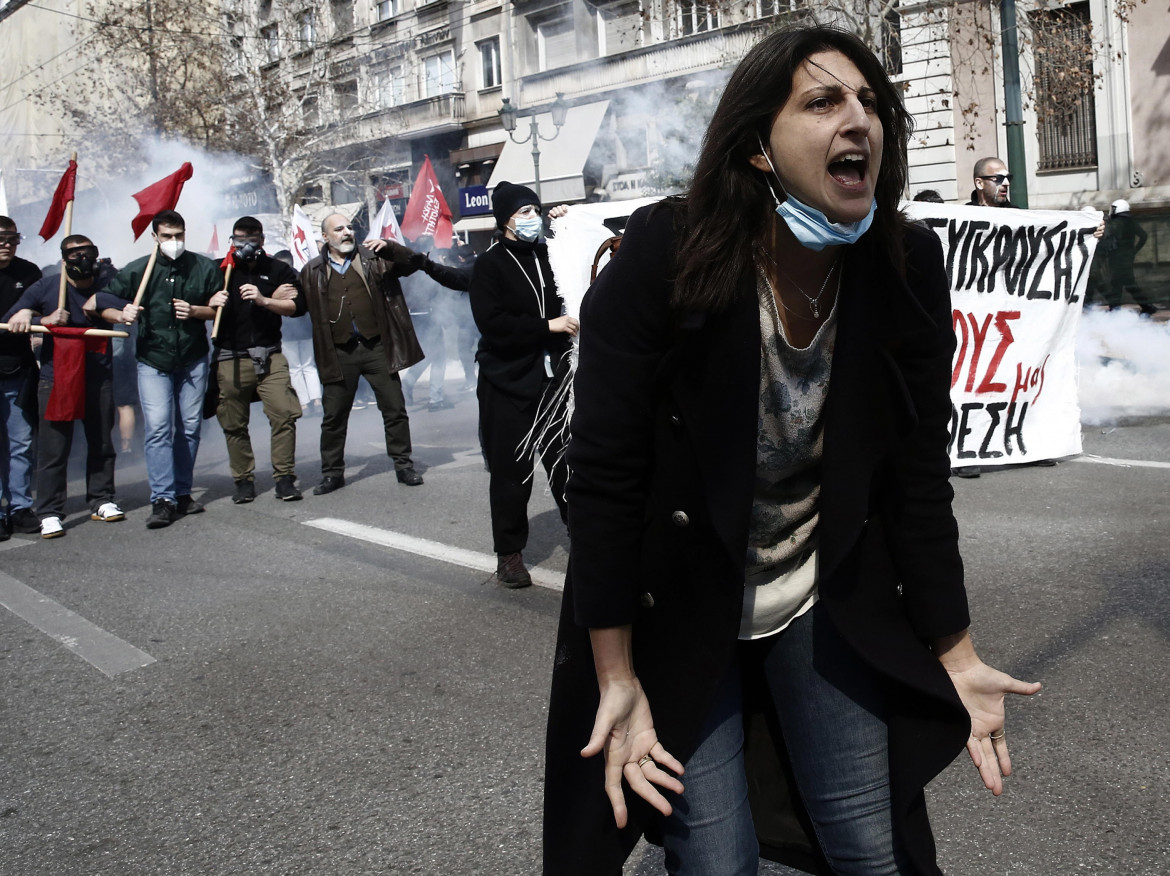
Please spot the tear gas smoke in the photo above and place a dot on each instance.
(1124, 367)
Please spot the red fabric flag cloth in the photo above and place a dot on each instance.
(61, 197)
(229, 260)
(427, 211)
(67, 400)
(159, 196)
(213, 246)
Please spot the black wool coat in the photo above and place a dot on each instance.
(665, 422)
(513, 296)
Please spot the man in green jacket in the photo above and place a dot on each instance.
(172, 360)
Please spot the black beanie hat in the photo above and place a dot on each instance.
(508, 198)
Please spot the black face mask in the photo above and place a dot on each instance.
(81, 265)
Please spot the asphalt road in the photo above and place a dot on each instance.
(316, 702)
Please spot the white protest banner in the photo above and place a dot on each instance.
(304, 242)
(1017, 281)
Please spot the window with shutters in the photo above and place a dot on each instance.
(556, 43)
(1066, 124)
(490, 72)
(439, 74)
(620, 28)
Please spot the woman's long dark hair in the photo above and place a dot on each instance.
(730, 203)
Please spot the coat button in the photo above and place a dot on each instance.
(647, 600)
(680, 518)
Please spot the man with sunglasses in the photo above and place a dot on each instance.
(18, 418)
(991, 184)
(85, 275)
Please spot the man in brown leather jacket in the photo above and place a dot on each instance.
(361, 328)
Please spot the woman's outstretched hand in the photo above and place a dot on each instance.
(982, 690)
(624, 731)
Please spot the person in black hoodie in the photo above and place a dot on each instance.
(525, 341)
(249, 363)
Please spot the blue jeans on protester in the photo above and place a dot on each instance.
(172, 417)
(17, 455)
(831, 711)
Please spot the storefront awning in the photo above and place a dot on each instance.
(562, 161)
(476, 223)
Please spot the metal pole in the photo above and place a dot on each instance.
(536, 157)
(1013, 105)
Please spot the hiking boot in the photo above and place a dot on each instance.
(409, 476)
(51, 528)
(23, 520)
(107, 512)
(245, 492)
(511, 573)
(286, 489)
(162, 514)
(188, 505)
(328, 484)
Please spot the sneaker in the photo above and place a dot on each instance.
(162, 513)
(286, 489)
(107, 512)
(187, 505)
(510, 571)
(51, 528)
(440, 405)
(245, 492)
(23, 520)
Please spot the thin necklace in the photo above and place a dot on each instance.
(776, 298)
(813, 303)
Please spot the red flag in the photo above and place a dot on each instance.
(159, 196)
(67, 398)
(427, 211)
(61, 197)
(213, 247)
(229, 260)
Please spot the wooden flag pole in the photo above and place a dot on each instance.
(92, 333)
(68, 231)
(227, 278)
(146, 275)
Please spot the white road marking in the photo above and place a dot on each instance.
(1124, 463)
(103, 650)
(434, 550)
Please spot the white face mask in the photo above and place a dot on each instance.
(172, 249)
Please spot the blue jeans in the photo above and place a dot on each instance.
(172, 417)
(17, 457)
(831, 709)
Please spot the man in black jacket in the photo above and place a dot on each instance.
(18, 374)
(249, 363)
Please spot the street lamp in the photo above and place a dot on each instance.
(508, 114)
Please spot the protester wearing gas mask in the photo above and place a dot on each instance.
(172, 359)
(524, 342)
(86, 376)
(249, 364)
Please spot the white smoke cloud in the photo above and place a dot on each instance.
(1124, 367)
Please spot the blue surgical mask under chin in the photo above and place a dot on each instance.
(814, 230)
(528, 228)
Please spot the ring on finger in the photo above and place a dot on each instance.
(993, 737)
(645, 759)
